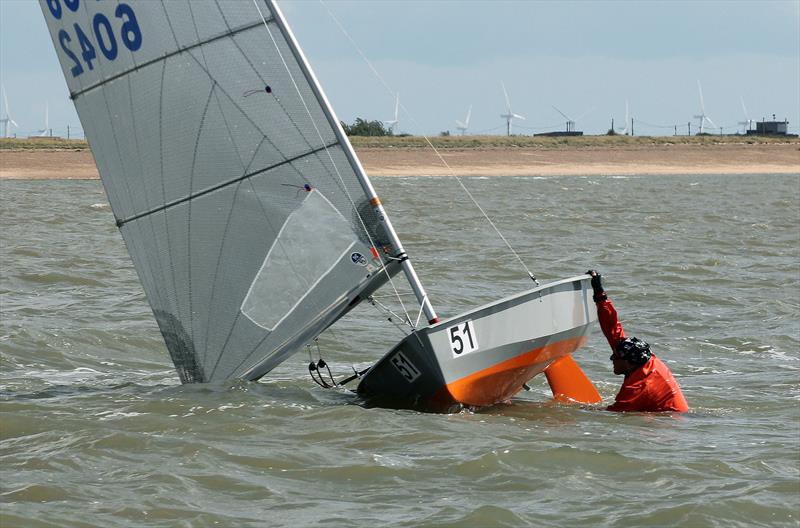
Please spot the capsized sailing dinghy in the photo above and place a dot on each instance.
(485, 356)
(249, 218)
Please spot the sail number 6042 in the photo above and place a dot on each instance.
(101, 34)
(463, 339)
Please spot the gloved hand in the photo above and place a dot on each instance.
(597, 286)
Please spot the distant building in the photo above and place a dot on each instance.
(570, 131)
(770, 128)
(562, 133)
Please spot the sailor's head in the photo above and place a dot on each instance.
(630, 354)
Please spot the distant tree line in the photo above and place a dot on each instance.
(362, 127)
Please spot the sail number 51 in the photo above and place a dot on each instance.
(462, 339)
(405, 367)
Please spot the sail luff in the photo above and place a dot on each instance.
(369, 190)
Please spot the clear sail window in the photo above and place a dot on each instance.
(314, 238)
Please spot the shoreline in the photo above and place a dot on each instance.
(503, 160)
(597, 161)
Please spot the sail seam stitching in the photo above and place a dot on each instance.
(189, 215)
(164, 57)
(230, 209)
(175, 305)
(123, 221)
(152, 263)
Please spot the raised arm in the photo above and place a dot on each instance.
(606, 313)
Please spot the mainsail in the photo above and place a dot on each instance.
(249, 218)
(234, 188)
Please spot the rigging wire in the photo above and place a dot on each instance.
(380, 306)
(428, 141)
(327, 151)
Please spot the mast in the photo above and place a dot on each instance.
(375, 202)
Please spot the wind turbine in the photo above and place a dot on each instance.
(747, 123)
(702, 117)
(392, 122)
(627, 120)
(43, 132)
(463, 126)
(570, 121)
(7, 122)
(509, 115)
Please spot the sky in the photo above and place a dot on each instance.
(584, 58)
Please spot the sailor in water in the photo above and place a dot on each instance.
(649, 385)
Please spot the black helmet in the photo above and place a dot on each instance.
(634, 350)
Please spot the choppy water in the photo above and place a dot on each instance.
(97, 431)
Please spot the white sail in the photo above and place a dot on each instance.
(237, 197)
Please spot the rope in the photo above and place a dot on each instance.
(318, 366)
(428, 141)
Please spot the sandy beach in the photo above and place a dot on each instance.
(673, 159)
(492, 161)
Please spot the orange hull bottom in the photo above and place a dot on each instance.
(502, 381)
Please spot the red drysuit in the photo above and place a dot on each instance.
(650, 387)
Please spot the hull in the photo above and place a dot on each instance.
(484, 356)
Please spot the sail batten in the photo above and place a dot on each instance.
(121, 222)
(211, 143)
(75, 95)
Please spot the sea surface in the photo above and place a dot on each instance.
(96, 430)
